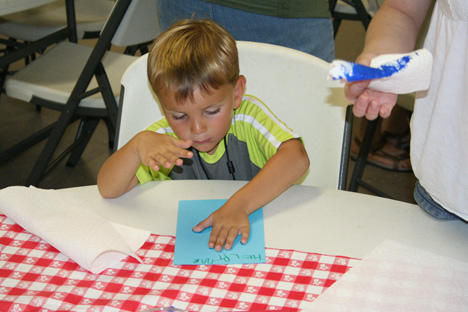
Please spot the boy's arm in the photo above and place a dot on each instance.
(280, 172)
(117, 175)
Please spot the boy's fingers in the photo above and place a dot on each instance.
(153, 164)
(203, 225)
(181, 143)
(218, 238)
(232, 237)
(245, 235)
(180, 148)
(174, 160)
(166, 161)
(186, 154)
(155, 167)
(161, 160)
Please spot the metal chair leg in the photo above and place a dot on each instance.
(111, 132)
(345, 148)
(84, 133)
(356, 177)
(52, 143)
(362, 155)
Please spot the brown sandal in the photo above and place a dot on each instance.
(400, 141)
(377, 151)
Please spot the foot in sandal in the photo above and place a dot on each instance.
(391, 152)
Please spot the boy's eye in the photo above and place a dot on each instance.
(178, 117)
(213, 112)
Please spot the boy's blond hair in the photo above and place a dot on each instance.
(193, 54)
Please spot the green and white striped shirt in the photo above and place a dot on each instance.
(253, 138)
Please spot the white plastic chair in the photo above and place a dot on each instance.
(81, 82)
(292, 83)
(37, 23)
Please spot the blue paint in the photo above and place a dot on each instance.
(360, 72)
(396, 66)
(357, 72)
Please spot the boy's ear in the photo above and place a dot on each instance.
(239, 91)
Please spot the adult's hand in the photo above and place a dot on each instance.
(368, 102)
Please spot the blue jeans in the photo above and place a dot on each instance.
(426, 202)
(310, 35)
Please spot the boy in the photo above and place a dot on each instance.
(210, 131)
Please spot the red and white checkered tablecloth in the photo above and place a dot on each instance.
(34, 276)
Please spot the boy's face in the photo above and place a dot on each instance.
(206, 119)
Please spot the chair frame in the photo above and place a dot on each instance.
(68, 32)
(13, 43)
(346, 147)
(361, 160)
(69, 111)
(360, 15)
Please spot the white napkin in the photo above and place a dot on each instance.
(72, 227)
(416, 76)
(394, 73)
(395, 277)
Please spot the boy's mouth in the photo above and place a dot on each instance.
(202, 142)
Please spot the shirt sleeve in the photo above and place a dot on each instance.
(261, 129)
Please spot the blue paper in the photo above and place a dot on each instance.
(192, 248)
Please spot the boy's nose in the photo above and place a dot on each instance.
(198, 127)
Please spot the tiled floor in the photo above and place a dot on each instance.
(18, 119)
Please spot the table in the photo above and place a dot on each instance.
(313, 236)
(303, 218)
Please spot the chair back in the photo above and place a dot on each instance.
(138, 107)
(140, 24)
(295, 87)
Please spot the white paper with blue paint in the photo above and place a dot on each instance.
(395, 73)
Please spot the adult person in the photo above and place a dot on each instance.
(439, 148)
(303, 25)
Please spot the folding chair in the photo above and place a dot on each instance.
(292, 83)
(31, 25)
(81, 82)
(355, 10)
(37, 23)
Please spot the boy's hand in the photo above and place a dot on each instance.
(227, 222)
(155, 150)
